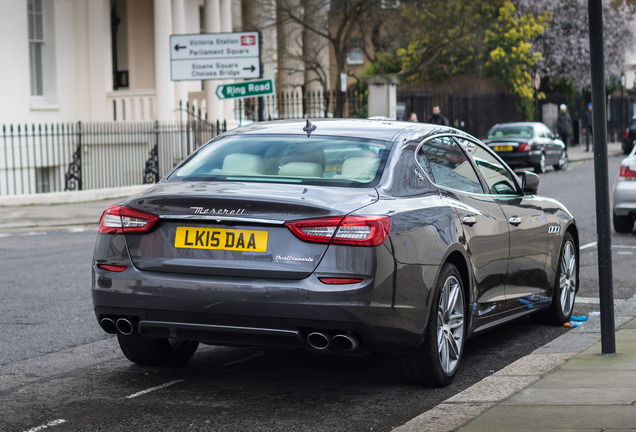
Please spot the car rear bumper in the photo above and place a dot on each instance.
(524, 159)
(276, 313)
(625, 198)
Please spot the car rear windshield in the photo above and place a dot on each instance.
(320, 160)
(510, 132)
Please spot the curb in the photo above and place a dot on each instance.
(72, 197)
(495, 389)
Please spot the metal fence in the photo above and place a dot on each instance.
(300, 104)
(476, 113)
(473, 113)
(76, 156)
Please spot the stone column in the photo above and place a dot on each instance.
(164, 87)
(100, 69)
(226, 27)
(315, 56)
(290, 52)
(212, 24)
(179, 27)
(383, 96)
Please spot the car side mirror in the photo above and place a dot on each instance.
(529, 183)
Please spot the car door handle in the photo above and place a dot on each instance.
(514, 220)
(469, 220)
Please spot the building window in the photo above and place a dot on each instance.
(43, 177)
(355, 57)
(36, 46)
(389, 4)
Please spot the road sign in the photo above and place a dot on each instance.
(208, 56)
(536, 81)
(245, 89)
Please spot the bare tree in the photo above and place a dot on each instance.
(347, 19)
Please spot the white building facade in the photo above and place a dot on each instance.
(109, 60)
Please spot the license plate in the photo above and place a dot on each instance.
(503, 148)
(221, 239)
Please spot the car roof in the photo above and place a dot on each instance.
(384, 130)
(517, 124)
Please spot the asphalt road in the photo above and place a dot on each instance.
(61, 371)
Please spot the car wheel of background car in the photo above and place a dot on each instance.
(540, 167)
(436, 362)
(157, 352)
(563, 161)
(565, 286)
(622, 224)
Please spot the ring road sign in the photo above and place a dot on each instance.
(208, 56)
(245, 89)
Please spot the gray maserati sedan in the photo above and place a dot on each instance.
(342, 236)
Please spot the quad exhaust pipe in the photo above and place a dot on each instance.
(117, 325)
(341, 342)
(108, 325)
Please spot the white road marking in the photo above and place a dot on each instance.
(248, 358)
(151, 389)
(589, 245)
(48, 425)
(587, 300)
(593, 300)
(614, 246)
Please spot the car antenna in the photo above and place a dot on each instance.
(309, 128)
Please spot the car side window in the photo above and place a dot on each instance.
(443, 158)
(498, 178)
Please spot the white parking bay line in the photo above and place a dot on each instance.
(151, 389)
(589, 245)
(48, 425)
(594, 300)
(587, 300)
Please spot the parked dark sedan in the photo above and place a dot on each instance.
(347, 236)
(629, 138)
(527, 144)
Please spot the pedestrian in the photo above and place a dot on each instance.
(437, 117)
(413, 117)
(589, 121)
(564, 124)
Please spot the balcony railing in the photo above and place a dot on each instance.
(131, 105)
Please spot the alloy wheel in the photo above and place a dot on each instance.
(450, 324)
(567, 278)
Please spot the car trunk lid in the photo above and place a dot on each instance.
(236, 228)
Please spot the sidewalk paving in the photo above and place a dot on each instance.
(566, 385)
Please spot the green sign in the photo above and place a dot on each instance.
(245, 89)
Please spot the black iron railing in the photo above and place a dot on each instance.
(76, 156)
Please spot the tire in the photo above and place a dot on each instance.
(437, 360)
(157, 352)
(563, 162)
(565, 286)
(540, 167)
(622, 224)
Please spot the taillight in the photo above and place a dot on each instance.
(351, 230)
(524, 147)
(339, 281)
(125, 220)
(112, 268)
(626, 174)
(626, 133)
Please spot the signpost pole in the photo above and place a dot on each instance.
(606, 295)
